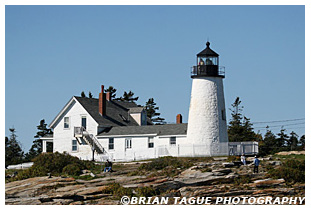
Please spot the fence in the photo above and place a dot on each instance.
(193, 150)
(247, 148)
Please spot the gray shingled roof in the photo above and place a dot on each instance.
(161, 130)
(136, 109)
(116, 111)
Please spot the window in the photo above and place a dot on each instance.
(128, 143)
(66, 122)
(74, 145)
(173, 141)
(150, 142)
(111, 143)
(223, 114)
(83, 122)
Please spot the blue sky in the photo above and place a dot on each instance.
(55, 52)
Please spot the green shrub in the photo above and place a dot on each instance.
(167, 171)
(241, 180)
(73, 169)
(56, 164)
(163, 162)
(146, 191)
(117, 190)
(291, 170)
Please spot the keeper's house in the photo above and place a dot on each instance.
(103, 128)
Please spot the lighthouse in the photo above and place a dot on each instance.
(207, 126)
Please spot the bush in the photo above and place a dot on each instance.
(239, 181)
(291, 171)
(146, 192)
(117, 190)
(73, 169)
(56, 164)
(163, 162)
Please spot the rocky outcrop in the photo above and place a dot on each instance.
(210, 179)
(291, 153)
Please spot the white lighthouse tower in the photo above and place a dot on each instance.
(207, 126)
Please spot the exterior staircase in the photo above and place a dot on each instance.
(91, 140)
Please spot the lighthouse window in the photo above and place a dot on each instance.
(223, 114)
(173, 141)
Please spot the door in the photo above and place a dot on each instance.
(83, 122)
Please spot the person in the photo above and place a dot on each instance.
(256, 164)
(201, 62)
(209, 61)
(108, 166)
(243, 160)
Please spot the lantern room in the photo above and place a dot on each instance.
(207, 64)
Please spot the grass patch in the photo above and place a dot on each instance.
(164, 166)
(163, 162)
(241, 180)
(291, 170)
(292, 156)
(118, 191)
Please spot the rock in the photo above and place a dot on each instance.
(237, 163)
(268, 182)
(275, 163)
(86, 171)
(223, 171)
(192, 182)
(291, 153)
(23, 201)
(220, 158)
(218, 173)
(231, 176)
(228, 165)
(275, 191)
(92, 190)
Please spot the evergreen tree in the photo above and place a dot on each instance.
(82, 94)
(302, 142)
(90, 95)
(159, 121)
(13, 151)
(112, 91)
(151, 108)
(292, 142)
(128, 96)
(240, 128)
(267, 145)
(152, 113)
(282, 140)
(36, 148)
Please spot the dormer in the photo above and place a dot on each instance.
(139, 114)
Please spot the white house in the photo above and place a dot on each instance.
(99, 129)
(113, 129)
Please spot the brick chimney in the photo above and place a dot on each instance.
(102, 102)
(179, 119)
(108, 96)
